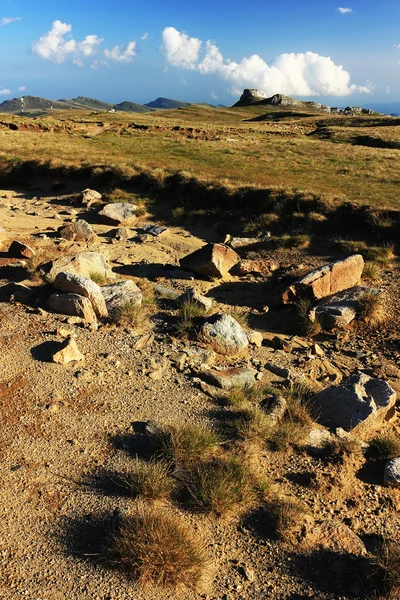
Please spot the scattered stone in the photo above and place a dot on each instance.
(121, 233)
(200, 356)
(80, 231)
(20, 250)
(255, 338)
(237, 242)
(255, 267)
(224, 334)
(72, 304)
(89, 197)
(278, 371)
(76, 284)
(360, 405)
(275, 407)
(165, 292)
(317, 350)
(154, 230)
(327, 280)
(317, 441)
(68, 352)
(336, 537)
(119, 213)
(22, 293)
(212, 391)
(212, 260)
(143, 342)
(120, 294)
(339, 310)
(392, 473)
(229, 378)
(196, 298)
(82, 263)
(179, 360)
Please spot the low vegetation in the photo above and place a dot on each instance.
(190, 313)
(370, 308)
(381, 255)
(385, 446)
(151, 481)
(279, 515)
(387, 562)
(156, 547)
(186, 445)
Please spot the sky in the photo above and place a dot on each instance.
(344, 52)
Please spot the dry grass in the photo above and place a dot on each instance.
(189, 314)
(136, 315)
(221, 486)
(388, 563)
(97, 277)
(149, 481)
(240, 315)
(384, 446)
(297, 420)
(370, 308)
(280, 515)
(158, 548)
(185, 445)
(382, 255)
(307, 327)
(249, 424)
(371, 272)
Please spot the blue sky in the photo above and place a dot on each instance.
(201, 51)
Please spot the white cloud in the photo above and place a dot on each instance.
(179, 49)
(302, 74)
(8, 20)
(120, 55)
(214, 96)
(145, 36)
(57, 44)
(97, 64)
(344, 11)
(5, 92)
(388, 89)
(22, 88)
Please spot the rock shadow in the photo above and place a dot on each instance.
(88, 537)
(44, 352)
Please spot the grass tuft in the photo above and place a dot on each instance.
(186, 445)
(189, 313)
(388, 563)
(97, 277)
(382, 255)
(250, 424)
(280, 515)
(307, 327)
(384, 446)
(371, 272)
(370, 308)
(151, 481)
(156, 548)
(221, 486)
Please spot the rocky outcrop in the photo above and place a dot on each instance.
(76, 284)
(282, 100)
(80, 231)
(212, 260)
(326, 280)
(82, 263)
(119, 213)
(73, 305)
(360, 405)
(224, 334)
(251, 96)
(338, 310)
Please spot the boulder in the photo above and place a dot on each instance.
(335, 537)
(195, 297)
(80, 231)
(212, 260)
(72, 304)
(392, 473)
(229, 378)
(119, 213)
(20, 250)
(119, 294)
(252, 95)
(255, 338)
(68, 352)
(3, 237)
(82, 263)
(360, 405)
(76, 284)
(224, 334)
(339, 310)
(121, 233)
(326, 280)
(89, 197)
(255, 267)
(154, 230)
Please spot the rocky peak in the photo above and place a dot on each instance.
(252, 95)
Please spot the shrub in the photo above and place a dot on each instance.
(145, 480)
(186, 445)
(220, 486)
(189, 313)
(157, 548)
(370, 308)
(385, 446)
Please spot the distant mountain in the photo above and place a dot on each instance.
(167, 103)
(132, 107)
(87, 103)
(29, 103)
(391, 108)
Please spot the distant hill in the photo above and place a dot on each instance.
(87, 103)
(29, 103)
(391, 108)
(167, 103)
(132, 107)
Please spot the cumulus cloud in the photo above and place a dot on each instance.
(180, 49)
(58, 44)
(22, 88)
(145, 36)
(8, 20)
(5, 92)
(344, 11)
(119, 55)
(301, 74)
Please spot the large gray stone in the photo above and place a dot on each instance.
(229, 378)
(326, 281)
(119, 213)
(82, 263)
(224, 334)
(360, 405)
(89, 196)
(76, 284)
(72, 304)
(392, 473)
(80, 231)
(339, 310)
(120, 294)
